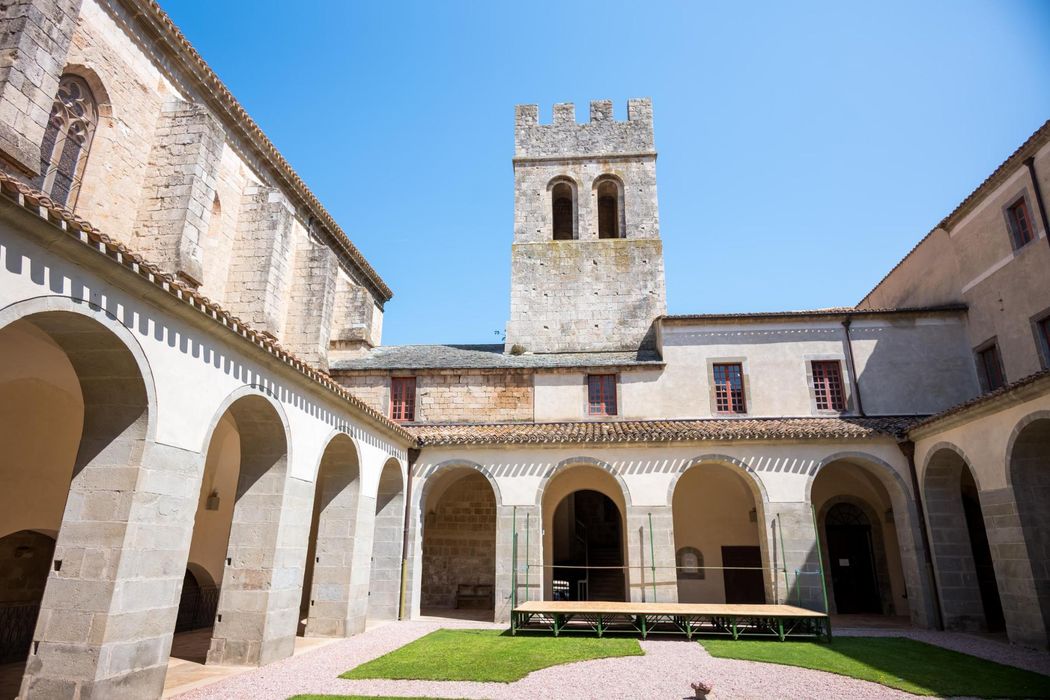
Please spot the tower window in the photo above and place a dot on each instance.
(1020, 220)
(729, 388)
(562, 211)
(403, 399)
(990, 368)
(827, 386)
(608, 193)
(601, 394)
(67, 140)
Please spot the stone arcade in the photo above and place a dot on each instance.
(203, 431)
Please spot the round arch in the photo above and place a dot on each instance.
(435, 472)
(1019, 428)
(566, 464)
(43, 305)
(749, 475)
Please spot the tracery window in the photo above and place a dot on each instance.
(67, 141)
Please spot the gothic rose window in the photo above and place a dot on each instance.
(67, 141)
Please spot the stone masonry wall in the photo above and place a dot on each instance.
(448, 396)
(34, 38)
(585, 294)
(176, 205)
(312, 303)
(459, 541)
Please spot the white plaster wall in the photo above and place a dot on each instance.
(195, 364)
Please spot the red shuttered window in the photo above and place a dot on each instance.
(827, 385)
(1020, 222)
(403, 398)
(729, 388)
(601, 394)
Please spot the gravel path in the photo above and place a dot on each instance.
(663, 673)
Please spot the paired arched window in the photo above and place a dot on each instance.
(67, 140)
(563, 210)
(609, 194)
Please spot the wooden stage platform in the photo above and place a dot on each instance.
(688, 619)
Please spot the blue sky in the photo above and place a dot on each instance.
(804, 147)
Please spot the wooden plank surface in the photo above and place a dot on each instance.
(617, 608)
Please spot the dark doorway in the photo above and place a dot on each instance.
(25, 560)
(851, 558)
(197, 603)
(588, 548)
(982, 555)
(742, 575)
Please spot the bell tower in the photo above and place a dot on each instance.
(587, 270)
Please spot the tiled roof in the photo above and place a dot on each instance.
(38, 204)
(407, 357)
(831, 312)
(172, 36)
(985, 399)
(1015, 160)
(641, 431)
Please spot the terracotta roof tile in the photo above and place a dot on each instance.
(38, 204)
(641, 431)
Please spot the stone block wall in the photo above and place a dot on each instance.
(585, 295)
(459, 541)
(448, 396)
(175, 209)
(312, 302)
(34, 39)
(601, 134)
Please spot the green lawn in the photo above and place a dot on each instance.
(911, 666)
(487, 655)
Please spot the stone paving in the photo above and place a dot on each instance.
(665, 671)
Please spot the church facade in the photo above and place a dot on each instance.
(203, 429)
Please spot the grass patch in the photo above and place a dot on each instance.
(486, 655)
(897, 662)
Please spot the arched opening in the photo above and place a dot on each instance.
(198, 600)
(459, 546)
(73, 414)
(610, 208)
(67, 140)
(969, 591)
(1030, 478)
(716, 525)
(584, 548)
(563, 211)
(326, 609)
(235, 541)
(859, 541)
(384, 589)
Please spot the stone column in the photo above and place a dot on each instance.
(260, 271)
(792, 543)
(384, 590)
(312, 302)
(640, 555)
(1013, 568)
(258, 611)
(34, 41)
(337, 548)
(177, 195)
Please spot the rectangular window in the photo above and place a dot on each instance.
(729, 388)
(1042, 332)
(827, 385)
(403, 398)
(601, 394)
(1020, 222)
(989, 367)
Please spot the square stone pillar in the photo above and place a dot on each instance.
(260, 269)
(642, 554)
(112, 597)
(258, 612)
(332, 612)
(34, 41)
(311, 305)
(177, 195)
(1013, 569)
(792, 544)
